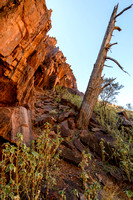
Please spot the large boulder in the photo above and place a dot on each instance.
(15, 120)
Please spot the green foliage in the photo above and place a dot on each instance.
(53, 112)
(62, 195)
(102, 149)
(76, 194)
(63, 93)
(107, 117)
(90, 191)
(110, 122)
(123, 150)
(110, 192)
(24, 169)
(129, 194)
(83, 164)
(75, 99)
(109, 93)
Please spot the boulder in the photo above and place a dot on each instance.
(21, 123)
(126, 123)
(70, 156)
(125, 120)
(71, 123)
(79, 146)
(75, 91)
(15, 120)
(64, 129)
(40, 121)
(65, 115)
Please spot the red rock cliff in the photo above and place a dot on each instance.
(28, 58)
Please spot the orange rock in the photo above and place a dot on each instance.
(28, 57)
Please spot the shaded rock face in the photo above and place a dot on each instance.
(54, 70)
(15, 120)
(28, 57)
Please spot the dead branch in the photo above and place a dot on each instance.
(123, 11)
(113, 44)
(108, 46)
(112, 59)
(108, 66)
(117, 28)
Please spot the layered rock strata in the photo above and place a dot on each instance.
(29, 58)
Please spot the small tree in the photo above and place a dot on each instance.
(129, 106)
(110, 90)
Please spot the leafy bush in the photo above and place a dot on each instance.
(24, 169)
(129, 194)
(107, 117)
(123, 150)
(63, 93)
(90, 192)
(110, 192)
(110, 122)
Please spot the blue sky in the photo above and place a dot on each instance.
(79, 27)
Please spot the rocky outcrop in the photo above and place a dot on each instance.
(54, 70)
(27, 54)
(15, 120)
(29, 58)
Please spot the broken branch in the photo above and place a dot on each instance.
(113, 44)
(117, 28)
(110, 45)
(108, 66)
(123, 11)
(112, 59)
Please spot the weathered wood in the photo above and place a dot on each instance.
(124, 11)
(112, 59)
(95, 82)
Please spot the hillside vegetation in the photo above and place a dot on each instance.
(66, 163)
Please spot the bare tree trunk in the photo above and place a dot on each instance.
(94, 87)
(95, 82)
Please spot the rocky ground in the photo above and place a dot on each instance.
(58, 111)
(31, 66)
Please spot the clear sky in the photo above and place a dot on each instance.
(79, 27)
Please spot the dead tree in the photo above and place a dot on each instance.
(94, 86)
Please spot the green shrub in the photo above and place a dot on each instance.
(123, 150)
(62, 195)
(90, 191)
(24, 169)
(129, 194)
(107, 117)
(63, 93)
(53, 112)
(110, 122)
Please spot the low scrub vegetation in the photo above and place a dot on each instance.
(110, 121)
(65, 94)
(25, 169)
(107, 117)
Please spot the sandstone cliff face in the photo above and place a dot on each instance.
(28, 57)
